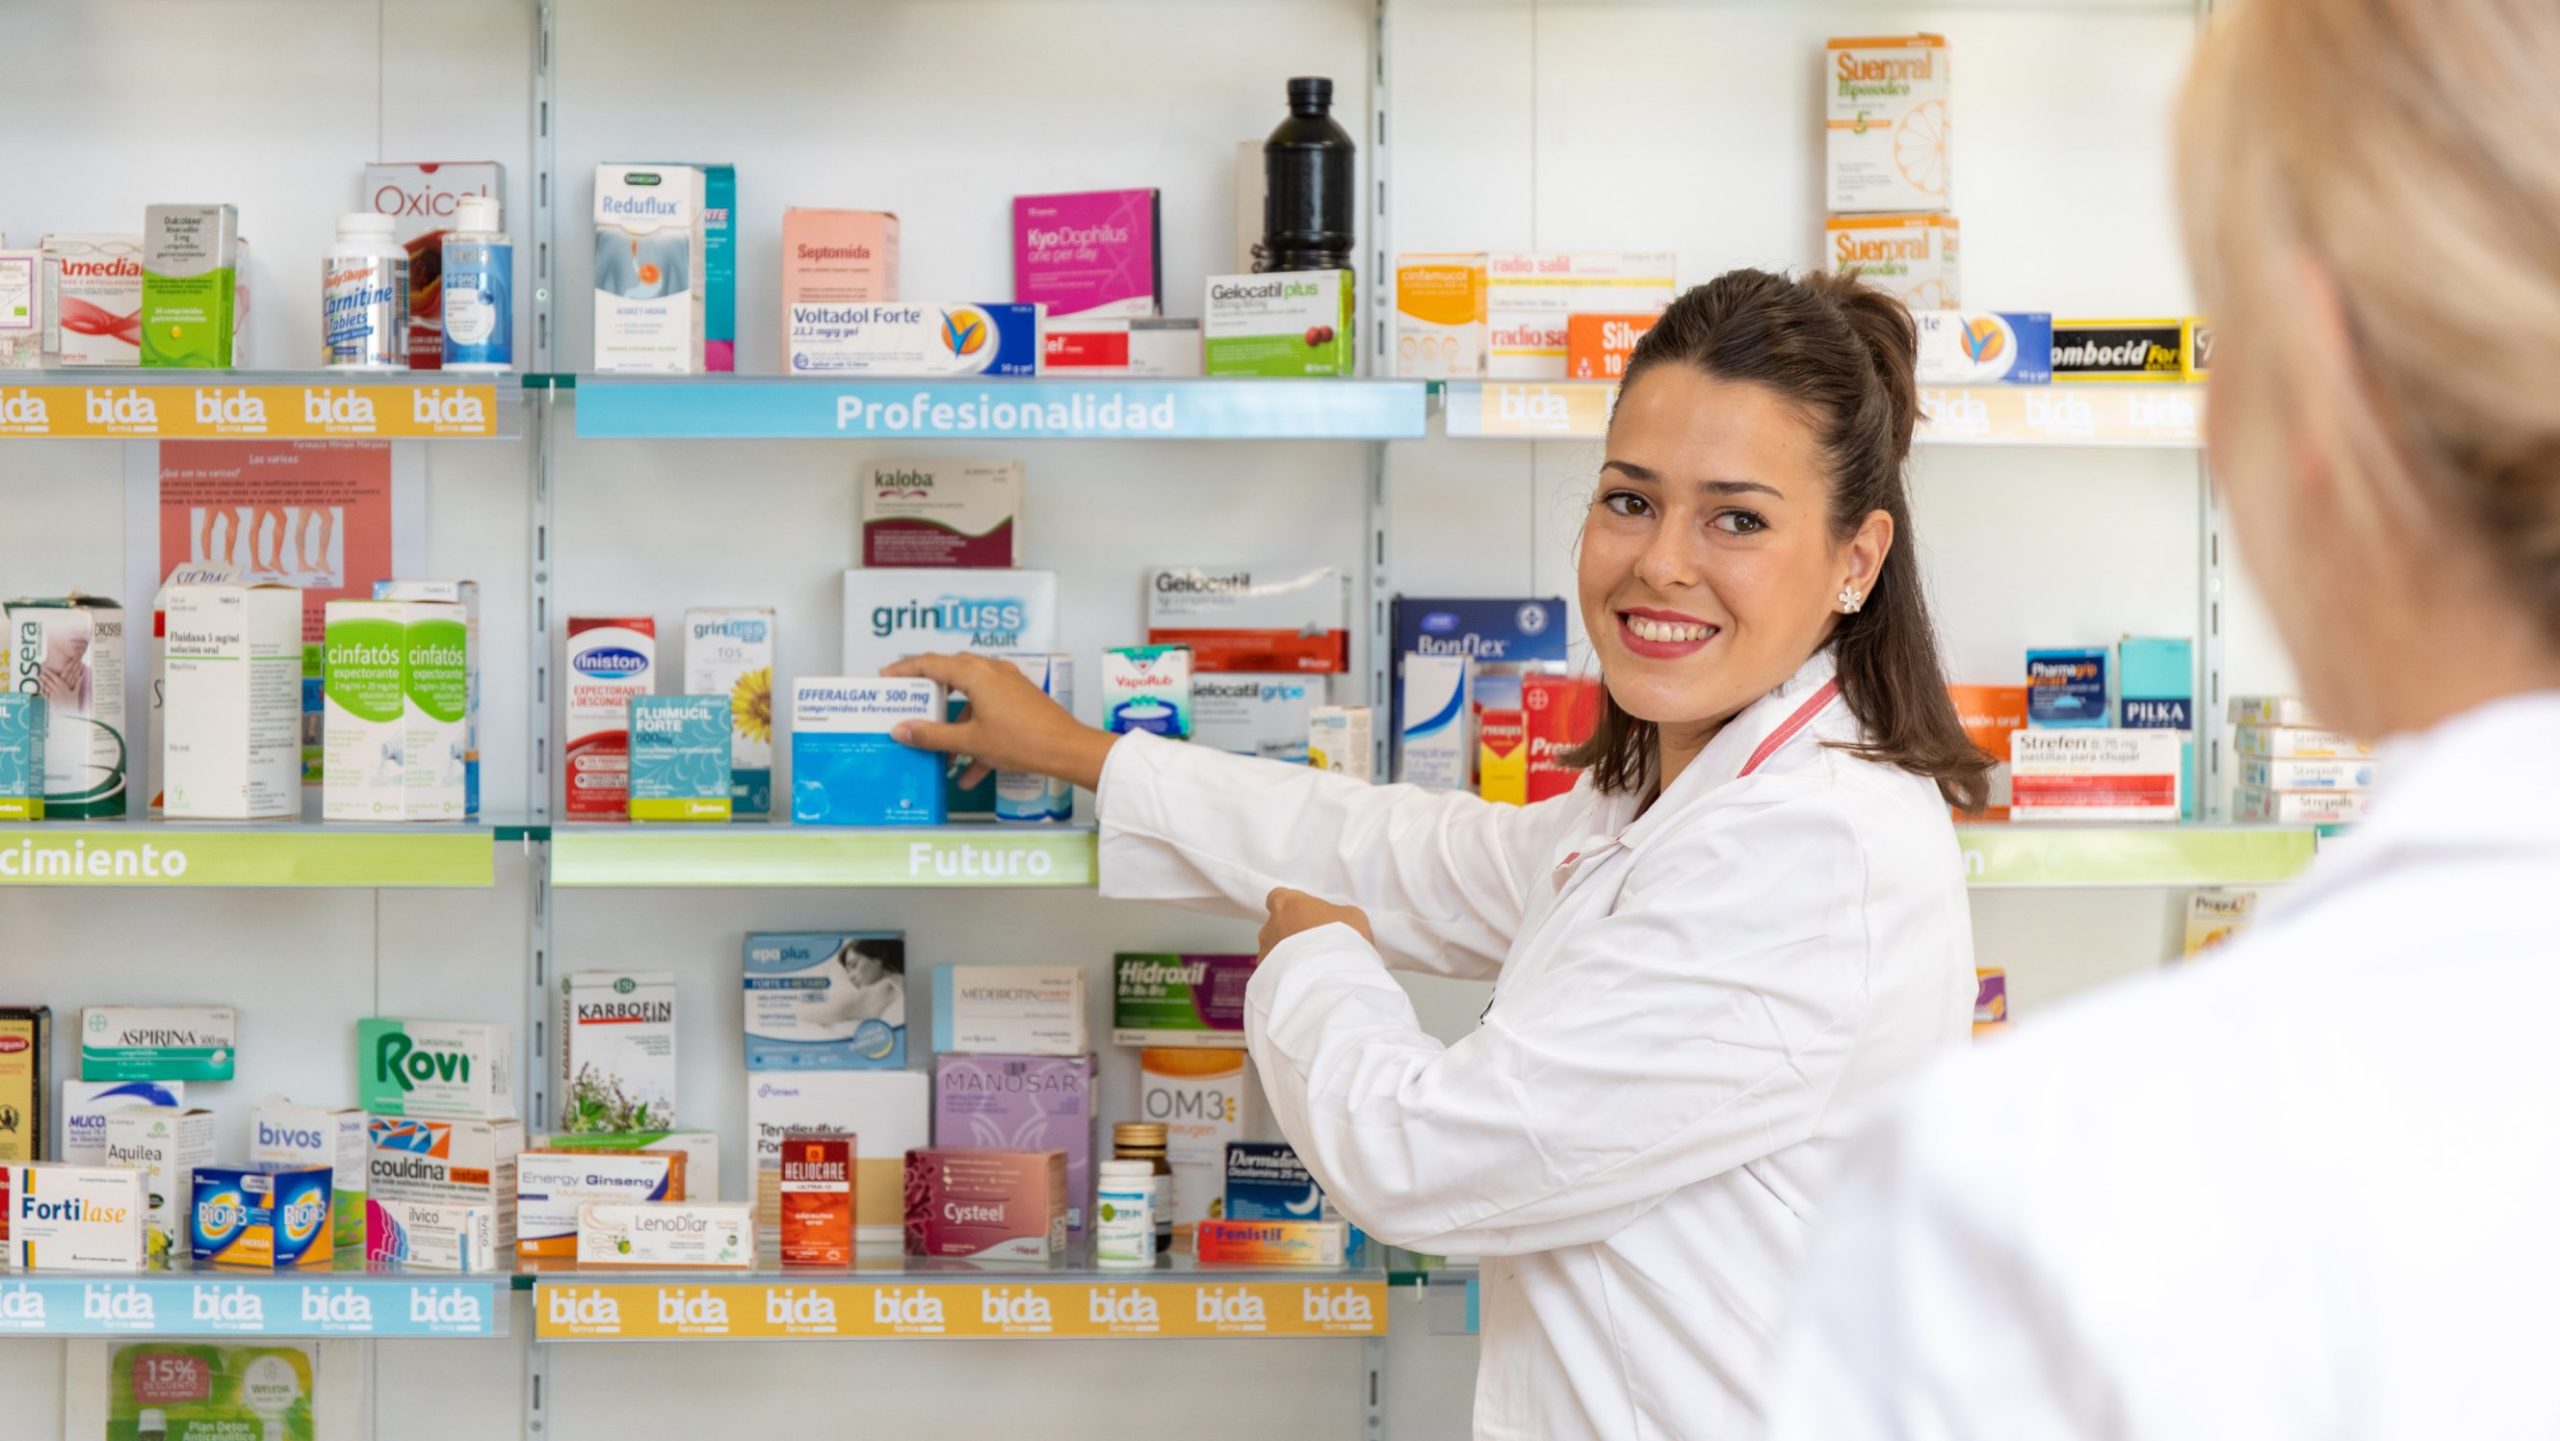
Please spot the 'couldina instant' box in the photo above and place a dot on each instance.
(448, 1163)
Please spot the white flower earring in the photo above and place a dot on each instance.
(1850, 600)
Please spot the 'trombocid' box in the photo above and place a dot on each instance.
(728, 653)
(550, 1187)
(1234, 618)
(420, 200)
(2298, 743)
(1440, 316)
(1913, 258)
(1530, 297)
(1256, 715)
(1021, 1103)
(281, 1133)
(826, 1001)
(76, 641)
(700, 1149)
(2118, 351)
(1147, 688)
(892, 614)
(1981, 347)
(166, 1145)
(1090, 255)
(2270, 774)
(1341, 739)
(427, 1237)
(1886, 119)
(1024, 795)
(679, 758)
(961, 513)
(1199, 1096)
(2257, 806)
(915, 338)
(1003, 1205)
(1009, 1010)
(231, 745)
(190, 285)
(459, 1070)
(617, 1043)
(845, 768)
(270, 1217)
(397, 724)
(837, 257)
(675, 1235)
(466, 594)
(611, 659)
(447, 1163)
(891, 1112)
(1431, 747)
(22, 736)
(87, 1104)
(1161, 999)
(158, 1043)
(2094, 775)
(1271, 1243)
(93, 299)
(76, 1218)
(651, 267)
(1283, 323)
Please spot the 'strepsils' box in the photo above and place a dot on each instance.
(943, 513)
(728, 653)
(1886, 119)
(1179, 1000)
(617, 1043)
(1093, 255)
(611, 659)
(397, 724)
(454, 1069)
(1296, 322)
(650, 269)
(231, 744)
(846, 770)
(420, 199)
(70, 650)
(679, 761)
(826, 1001)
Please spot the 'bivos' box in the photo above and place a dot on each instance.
(1234, 618)
(466, 594)
(826, 1001)
(87, 1104)
(1913, 258)
(915, 338)
(447, 1163)
(75, 1217)
(616, 1036)
(158, 1043)
(231, 745)
(454, 1069)
(270, 1217)
(71, 650)
(284, 1134)
(679, 758)
(611, 659)
(420, 200)
(943, 513)
(890, 1111)
(1021, 1103)
(845, 768)
(398, 704)
(728, 653)
(166, 1145)
(1147, 688)
(1179, 1000)
(419, 1236)
(1886, 120)
(1296, 322)
(651, 269)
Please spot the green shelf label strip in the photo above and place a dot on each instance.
(812, 857)
(58, 855)
(2026, 855)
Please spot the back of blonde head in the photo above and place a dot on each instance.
(2410, 149)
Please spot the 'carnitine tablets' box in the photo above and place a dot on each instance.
(611, 659)
(457, 1069)
(397, 706)
(650, 269)
(965, 513)
(845, 768)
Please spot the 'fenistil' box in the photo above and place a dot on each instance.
(728, 654)
(1530, 299)
(1256, 715)
(1913, 258)
(466, 594)
(651, 267)
(1440, 316)
(397, 714)
(1147, 688)
(1092, 255)
(826, 1001)
(890, 1111)
(617, 1043)
(419, 1236)
(420, 200)
(1296, 322)
(1886, 118)
(158, 1043)
(231, 747)
(87, 1104)
(817, 1201)
(845, 768)
(78, 642)
(1235, 618)
(1960, 347)
(943, 513)
(22, 735)
(987, 1205)
(448, 1163)
(1177, 1000)
(2094, 775)
(166, 1145)
(679, 758)
(269, 1217)
(284, 1134)
(713, 1234)
(454, 1069)
(26, 1078)
(76, 1218)
(190, 259)
(93, 299)
(1271, 1243)
(611, 660)
(836, 257)
(1022, 1103)
(915, 338)
(1009, 1010)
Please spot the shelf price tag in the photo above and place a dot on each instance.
(991, 1310)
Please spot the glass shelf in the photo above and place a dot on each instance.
(759, 854)
(366, 855)
(345, 1299)
(2057, 855)
(753, 407)
(110, 404)
(2145, 416)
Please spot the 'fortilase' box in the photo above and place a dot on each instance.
(1270, 1243)
(74, 1218)
(915, 338)
(1179, 1000)
(158, 1043)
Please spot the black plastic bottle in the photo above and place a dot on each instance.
(1307, 200)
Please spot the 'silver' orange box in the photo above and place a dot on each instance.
(1596, 346)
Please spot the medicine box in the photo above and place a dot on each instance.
(959, 513)
(2270, 774)
(22, 317)
(281, 1133)
(420, 199)
(728, 655)
(1440, 316)
(551, 1186)
(700, 1149)
(22, 736)
(26, 1083)
(166, 1144)
(1147, 688)
(1027, 795)
(1282, 323)
(1256, 715)
(447, 1163)
(915, 338)
(1990, 1000)
(2094, 775)
(679, 758)
(269, 1217)
(651, 269)
(616, 1036)
(846, 770)
(466, 594)
(1988, 714)
(2120, 350)
(1157, 347)
(610, 660)
(1163, 999)
(419, 1236)
(1913, 258)
(1247, 618)
(1559, 714)
(1009, 1010)
(1198, 1095)
(1597, 346)
(1885, 119)
(1021, 1103)
(1502, 756)
(1431, 745)
(190, 286)
(1340, 740)
(158, 1043)
(715, 1234)
(1980, 347)
(826, 1001)
(2255, 805)
(2155, 690)
(76, 1218)
(451, 1070)
(2271, 710)
(87, 1104)
(719, 267)
(885, 1113)
(1531, 297)
(892, 614)
(986, 1205)
(1271, 1243)
(2067, 688)
(396, 725)
(2298, 743)
(836, 257)
(1266, 1181)
(1507, 639)
(1091, 255)
(817, 1201)
(93, 299)
(82, 638)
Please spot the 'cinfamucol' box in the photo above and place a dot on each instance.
(1161, 999)
(269, 1217)
(679, 762)
(845, 768)
(1440, 316)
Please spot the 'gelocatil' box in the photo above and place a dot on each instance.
(1913, 258)
(1296, 322)
(915, 338)
(617, 1043)
(1887, 123)
(281, 1133)
(679, 763)
(447, 1163)
(1238, 618)
(1440, 316)
(158, 1043)
(398, 701)
(651, 269)
(461, 1070)
(1256, 715)
(611, 659)
(231, 745)
(845, 768)
(76, 1218)
(728, 653)
(1530, 299)
(943, 513)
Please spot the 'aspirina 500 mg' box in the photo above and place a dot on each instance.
(158, 1043)
(1886, 121)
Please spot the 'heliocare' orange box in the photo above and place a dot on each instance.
(1596, 346)
(817, 1200)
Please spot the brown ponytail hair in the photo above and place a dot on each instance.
(1846, 356)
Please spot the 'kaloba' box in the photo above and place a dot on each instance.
(943, 513)
(987, 1205)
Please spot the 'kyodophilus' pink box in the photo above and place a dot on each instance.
(1093, 255)
(987, 1205)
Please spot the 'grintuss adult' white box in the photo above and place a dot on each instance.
(892, 614)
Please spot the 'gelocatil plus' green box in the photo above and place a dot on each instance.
(1294, 322)
(680, 758)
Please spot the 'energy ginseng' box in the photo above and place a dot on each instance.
(728, 653)
(459, 1070)
(611, 659)
(551, 1187)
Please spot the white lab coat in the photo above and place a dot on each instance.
(1687, 1008)
(2302, 1189)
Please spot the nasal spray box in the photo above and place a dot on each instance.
(76, 1218)
(679, 761)
(651, 269)
(397, 711)
(70, 650)
(93, 299)
(158, 1043)
(1023, 795)
(26, 1083)
(845, 768)
(728, 654)
(1147, 688)
(448, 1163)
(1913, 258)
(466, 594)
(1431, 743)
(611, 659)
(1885, 117)
(890, 1111)
(87, 1104)
(1283, 323)
(22, 729)
(915, 338)
(420, 200)
(268, 1217)
(960, 513)
(462, 1070)
(231, 747)
(826, 1001)
(166, 1144)
(190, 278)
(616, 1035)
(284, 1134)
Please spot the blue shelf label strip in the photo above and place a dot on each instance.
(209, 1306)
(613, 408)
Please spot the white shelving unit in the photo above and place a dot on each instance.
(2045, 517)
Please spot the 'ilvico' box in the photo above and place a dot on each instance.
(426, 1237)
(1295, 322)
(1009, 1010)
(846, 770)
(987, 1205)
(1023, 1103)
(1176, 1000)
(1092, 255)
(915, 338)
(943, 513)
(158, 1043)
(458, 1069)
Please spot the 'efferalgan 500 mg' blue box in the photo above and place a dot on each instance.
(845, 770)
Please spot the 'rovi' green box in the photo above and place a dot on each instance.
(452, 1070)
(1289, 322)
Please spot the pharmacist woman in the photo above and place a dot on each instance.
(1744, 922)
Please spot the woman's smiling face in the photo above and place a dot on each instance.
(1708, 572)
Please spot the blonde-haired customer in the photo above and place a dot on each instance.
(2310, 1188)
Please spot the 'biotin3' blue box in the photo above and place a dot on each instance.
(845, 770)
(270, 1217)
